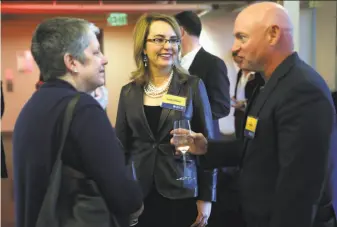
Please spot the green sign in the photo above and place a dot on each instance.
(313, 4)
(118, 19)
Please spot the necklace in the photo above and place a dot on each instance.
(155, 92)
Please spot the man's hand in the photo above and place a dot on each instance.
(204, 211)
(239, 105)
(197, 141)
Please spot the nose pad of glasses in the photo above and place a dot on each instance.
(167, 44)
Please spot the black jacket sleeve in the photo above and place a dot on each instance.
(104, 160)
(222, 154)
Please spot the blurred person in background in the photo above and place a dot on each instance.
(68, 55)
(246, 83)
(101, 96)
(213, 71)
(210, 68)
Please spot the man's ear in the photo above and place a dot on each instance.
(70, 63)
(274, 34)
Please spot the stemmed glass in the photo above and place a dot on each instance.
(181, 143)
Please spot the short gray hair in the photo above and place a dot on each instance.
(55, 37)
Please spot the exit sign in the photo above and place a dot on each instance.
(117, 19)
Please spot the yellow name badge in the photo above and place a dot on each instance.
(174, 102)
(251, 125)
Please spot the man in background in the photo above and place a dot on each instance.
(246, 83)
(213, 71)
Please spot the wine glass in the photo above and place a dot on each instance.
(181, 143)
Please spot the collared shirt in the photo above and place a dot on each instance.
(240, 91)
(187, 60)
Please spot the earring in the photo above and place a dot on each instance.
(75, 70)
(145, 60)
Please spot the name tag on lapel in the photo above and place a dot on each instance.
(250, 127)
(174, 102)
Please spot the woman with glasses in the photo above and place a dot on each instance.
(146, 114)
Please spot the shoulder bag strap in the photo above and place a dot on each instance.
(48, 211)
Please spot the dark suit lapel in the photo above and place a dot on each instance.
(261, 95)
(270, 85)
(237, 82)
(174, 89)
(138, 101)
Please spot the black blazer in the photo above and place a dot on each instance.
(250, 86)
(153, 158)
(213, 71)
(239, 115)
(284, 167)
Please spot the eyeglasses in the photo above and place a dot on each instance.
(162, 41)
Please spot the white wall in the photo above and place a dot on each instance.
(326, 41)
(307, 36)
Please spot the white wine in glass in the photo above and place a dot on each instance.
(181, 142)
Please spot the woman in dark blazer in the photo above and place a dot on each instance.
(143, 127)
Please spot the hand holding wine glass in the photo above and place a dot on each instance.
(196, 141)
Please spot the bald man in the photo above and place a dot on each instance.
(288, 128)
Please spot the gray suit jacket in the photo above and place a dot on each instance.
(153, 156)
